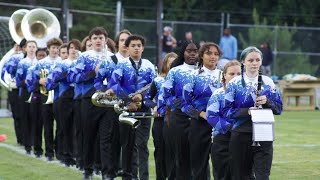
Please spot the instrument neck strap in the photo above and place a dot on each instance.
(137, 70)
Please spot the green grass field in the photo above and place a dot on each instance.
(296, 153)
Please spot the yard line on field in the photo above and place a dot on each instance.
(302, 161)
(297, 145)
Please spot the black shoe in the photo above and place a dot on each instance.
(97, 171)
(28, 152)
(69, 162)
(105, 177)
(38, 155)
(87, 177)
(49, 158)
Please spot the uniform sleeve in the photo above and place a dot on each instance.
(168, 91)
(100, 76)
(230, 111)
(19, 75)
(85, 69)
(11, 65)
(274, 101)
(151, 93)
(188, 97)
(161, 103)
(51, 83)
(71, 76)
(115, 81)
(214, 114)
(31, 86)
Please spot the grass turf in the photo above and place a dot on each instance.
(296, 152)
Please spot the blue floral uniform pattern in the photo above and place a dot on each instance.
(214, 113)
(238, 99)
(126, 79)
(173, 86)
(197, 92)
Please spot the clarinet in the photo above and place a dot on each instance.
(258, 93)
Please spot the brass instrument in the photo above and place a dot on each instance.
(102, 99)
(15, 27)
(131, 118)
(40, 25)
(122, 106)
(15, 30)
(30, 98)
(43, 90)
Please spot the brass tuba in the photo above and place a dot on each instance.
(40, 25)
(15, 30)
(15, 27)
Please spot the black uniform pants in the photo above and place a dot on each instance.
(35, 112)
(200, 145)
(77, 118)
(140, 154)
(58, 140)
(220, 157)
(66, 117)
(159, 150)
(169, 150)
(244, 156)
(26, 123)
(13, 97)
(47, 118)
(181, 124)
(95, 121)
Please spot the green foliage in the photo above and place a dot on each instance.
(284, 64)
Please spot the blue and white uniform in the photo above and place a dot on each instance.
(196, 94)
(240, 96)
(178, 120)
(221, 135)
(128, 77)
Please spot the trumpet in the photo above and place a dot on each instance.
(131, 118)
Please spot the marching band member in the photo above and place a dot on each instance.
(63, 51)
(220, 155)
(131, 75)
(177, 77)
(240, 97)
(46, 109)
(13, 96)
(27, 122)
(35, 105)
(196, 94)
(158, 123)
(119, 56)
(94, 119)
(66, 93)
(86, 45)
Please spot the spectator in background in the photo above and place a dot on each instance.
(187, 36)
(267, 58)
(229, 45)
(168, 43)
